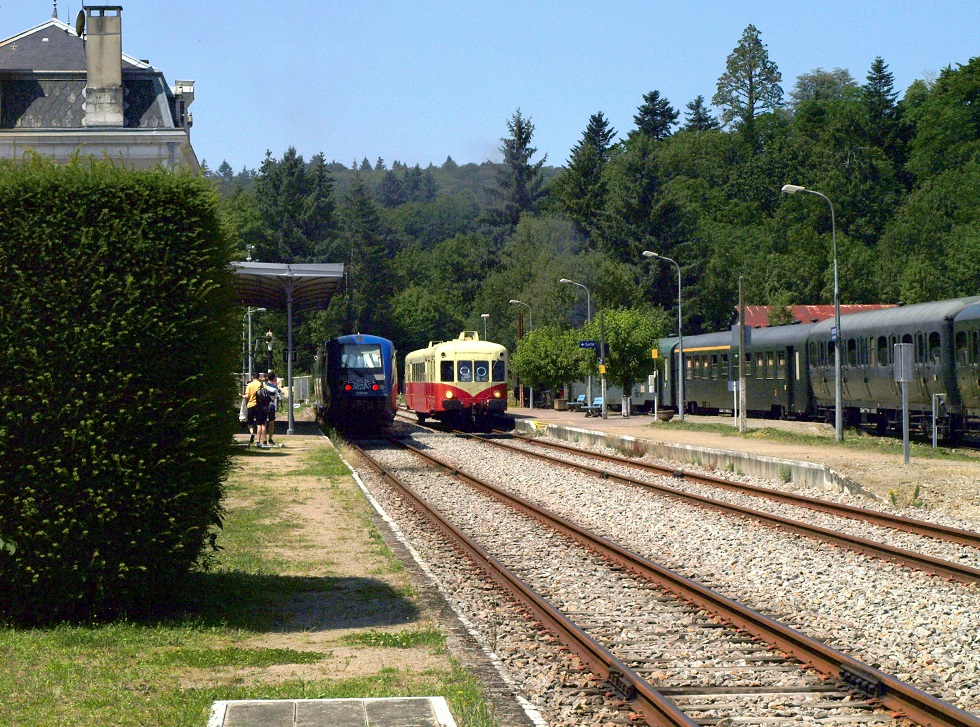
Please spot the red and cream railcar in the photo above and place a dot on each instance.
(462, 382)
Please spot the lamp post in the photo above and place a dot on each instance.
(268, 339)
(530, 327)
(836, 333)
(248, 316)
(588, 317)
(682, 403)
(484, 316)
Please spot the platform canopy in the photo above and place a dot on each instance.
(308, 286)
(293, 287)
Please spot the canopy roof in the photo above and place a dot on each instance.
(309, 286)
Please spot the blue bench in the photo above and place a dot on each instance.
(578, 403)
(595, 409)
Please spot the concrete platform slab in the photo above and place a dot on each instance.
(391, 712)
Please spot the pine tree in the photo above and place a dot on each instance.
(449, 164)
(368, 274)
(581, 189)
(655, 117)
(379, 166)
(365, 165)
(750, 84)
(520, 184)
(390, 191)
(698, 117)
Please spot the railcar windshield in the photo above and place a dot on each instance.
(499, 371)
(361, 356)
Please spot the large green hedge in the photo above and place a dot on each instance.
(117, 340)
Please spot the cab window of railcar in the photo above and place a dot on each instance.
(446, 371)
(781, 365)
(464, 371)
(482, 370)
(361, 356)
(882, 351)
(934, 348)
(961, 352)
(499, 370)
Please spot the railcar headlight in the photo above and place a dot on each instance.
(449, 395)
(496, 395)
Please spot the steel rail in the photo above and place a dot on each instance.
(918, 561)
(656, 709)
(901, 698)
(920, 527)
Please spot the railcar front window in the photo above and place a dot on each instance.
(464, 372)
(482, 370)
(446, 371)
(499, 371)
(361, 356)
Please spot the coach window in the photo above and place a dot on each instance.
(748, 365)
(446, 371)
(482, 370)
(975, 349)
(920, 348)
(464, 371)
(770, 365)
(689, 374)
(934, 348)
(863, 357)
(725, 367)
(499, 370)
(961, 352)
(882, 351)
(781, 365)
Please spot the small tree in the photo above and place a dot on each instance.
(548, 357)
(631, 335)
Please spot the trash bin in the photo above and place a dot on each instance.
(561, 404)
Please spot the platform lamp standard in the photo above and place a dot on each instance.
(530, 327)
(588, 318)
(484, 316)
(247, 360)
(836, 334)
(268, 339)
(682, 402)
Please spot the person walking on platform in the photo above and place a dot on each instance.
(258, 411)
(275, 394)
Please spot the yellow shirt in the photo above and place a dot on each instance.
(250, 390)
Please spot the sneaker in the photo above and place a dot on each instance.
(272, 444)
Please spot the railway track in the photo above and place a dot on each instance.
(635, 636)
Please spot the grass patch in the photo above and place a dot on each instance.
(399, 639)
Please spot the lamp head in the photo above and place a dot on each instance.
(515, 302)
(484, 315)
(793, 188)
(565, 280)
(647, 253)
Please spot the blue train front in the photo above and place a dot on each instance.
(356, 383)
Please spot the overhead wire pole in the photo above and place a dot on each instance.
(838, 383)
(682, 402)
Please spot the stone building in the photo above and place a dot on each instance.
(67, 90)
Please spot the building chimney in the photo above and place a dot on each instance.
(103, 60)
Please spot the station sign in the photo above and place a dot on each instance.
(589, 344)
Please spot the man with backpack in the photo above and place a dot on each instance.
(275, 396)
(257, 400)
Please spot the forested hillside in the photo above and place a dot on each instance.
(428, 250)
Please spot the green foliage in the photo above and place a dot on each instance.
(750, 84)
(631, 335)
(548, 357)
(520, 185)
(118, 338)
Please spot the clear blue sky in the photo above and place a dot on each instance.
(417, 80)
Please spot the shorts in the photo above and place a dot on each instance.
(272, 413)
(257, 415)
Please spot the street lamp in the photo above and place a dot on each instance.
(530, 327)
(268, 339)
(836, 333)
(484, 316)
(248, 316)
(588, 317)
(680, 335)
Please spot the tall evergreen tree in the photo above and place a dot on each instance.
(581, 189)
(368, 275)
(655, 117)
(750, 84)
(879, 91)
(698, 117)
(379, 166)
(391, 192)
(520, 184)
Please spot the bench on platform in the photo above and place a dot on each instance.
(578, 403)
(595, 409)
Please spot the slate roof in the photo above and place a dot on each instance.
(42, 83)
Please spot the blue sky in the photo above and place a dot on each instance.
(419, 80)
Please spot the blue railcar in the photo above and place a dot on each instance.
(356, 383)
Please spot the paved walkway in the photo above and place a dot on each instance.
(394, 712)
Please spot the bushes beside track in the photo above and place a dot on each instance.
(117, 336)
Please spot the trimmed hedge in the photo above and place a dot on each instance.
(118, 336)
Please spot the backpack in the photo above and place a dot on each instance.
(263, 398)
